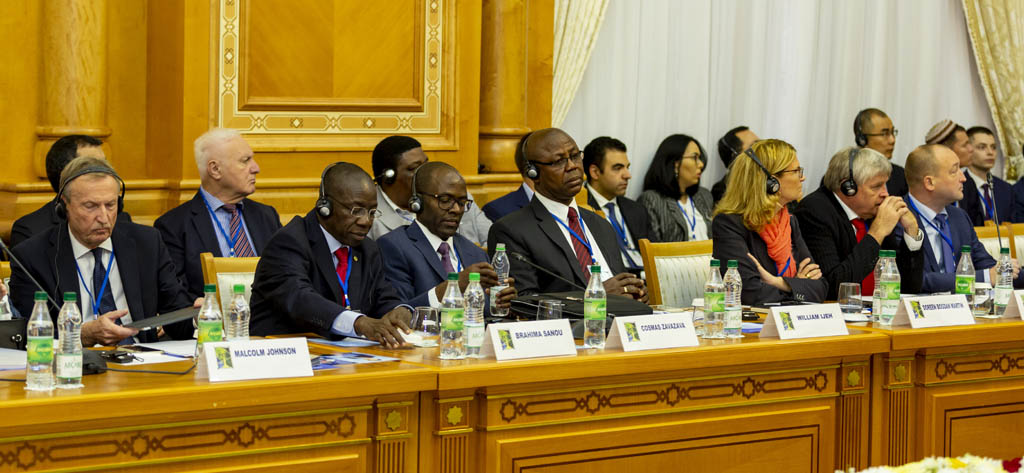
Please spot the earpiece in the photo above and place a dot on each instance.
(386, 177)
(849, 186)
(858, 134)
(415, 201)
(772, 185)
(62, 211)
(529, 168)
(323, 204)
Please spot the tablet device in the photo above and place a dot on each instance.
(164, 319)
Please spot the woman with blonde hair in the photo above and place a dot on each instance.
(752, 225)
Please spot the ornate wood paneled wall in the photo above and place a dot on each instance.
(308, 82)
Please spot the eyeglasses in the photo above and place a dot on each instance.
(446, 201)
(360, 212)
(799, 171)
(560, 163)
(885, 133)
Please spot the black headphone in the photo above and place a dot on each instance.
(772, 185)
(529, 168)
(849, 186)
(858, 134)
(415, 201)
(59, 207)
(323, 204)
(386, 177)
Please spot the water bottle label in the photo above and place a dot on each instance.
(964, 285)
(211, 331)
(39, 350)
(890, 290)
(595, 309)
(714, 301)
(474, 335)
(69, 366)
(1003, 295)
(452, 319)
(734, 318)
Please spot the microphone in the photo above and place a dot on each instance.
(995, 212)
(14, 259)
(524, 259)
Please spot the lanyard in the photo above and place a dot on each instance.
(230, 239)
(624, 247)
(784, 268)
(693, 221)
(344, 283)
(578, 238)
(103, 287)
(945, 238)
(987, 204)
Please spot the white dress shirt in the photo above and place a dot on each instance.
(631, 247)
(562, 212)
(405, 214)
(85, 260)
(345, 322)
(435, 241)
(934, 239)
(222, 217)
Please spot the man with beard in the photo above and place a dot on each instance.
(607, 168)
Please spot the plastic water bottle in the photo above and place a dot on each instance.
(889, 286)
(733, 307)
(1004, 283)
(453, 311)
(501, 266)
(237, 325)
(69, 354)
(876, 293)
(39, 356)
(474, 323)
(965, 275)
(211, 326)
(714, 302)
(595, 310)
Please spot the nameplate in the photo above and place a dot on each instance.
(649, 332)
(804, 321)
(934, 311)
(1015, 306)
(534, 339)
(257, 359)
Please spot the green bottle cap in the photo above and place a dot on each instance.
(208, 288)
(595, 268)
(499, 247)
(716, 264)
(40, 296)
(733, 264)
(70, 297)
(965, 249)
(474, 277)
(1004, 251)
(453, 276)
(239, 288)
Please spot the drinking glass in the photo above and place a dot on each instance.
(849, 298)
(425, 323)
(982, 305)
(549, 309)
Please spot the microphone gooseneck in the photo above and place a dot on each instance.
(524, 259)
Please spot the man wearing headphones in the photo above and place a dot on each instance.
(394, 160)
(730, 145)
(553, 231)
(852, 216)
(872, 128)
(418, 256)
(320, 273)
(119, 272)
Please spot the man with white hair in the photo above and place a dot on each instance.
(219, 219)
(852, 216)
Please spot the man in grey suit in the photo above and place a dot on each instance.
(394, 161)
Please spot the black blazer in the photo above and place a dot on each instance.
(41, 220)
(506, 204)
(962, 233)
(1002, 194)
(638, 223)
(296, 287)
(187, 231)
(148, 276)
(533, 232)
(1017, 210)
(732, 240)
(897, 183)
(833, 245)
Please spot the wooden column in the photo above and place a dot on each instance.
(503, 82)
(73, 99)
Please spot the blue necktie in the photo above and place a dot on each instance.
(107, 298)
(947, 252)
(623, 245)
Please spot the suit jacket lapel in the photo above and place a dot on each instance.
(322, 257)
(355, 282)
(254, 225)
(929, 254)
(419, 240)
(553, 231)
(848, 227)
(672, 206)
(67, 272)
(610, 253)
(128, 266)
(204, 226)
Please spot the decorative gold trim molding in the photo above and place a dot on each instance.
(467, 430)
(394, 404)
(382, 438)
(455, 399)
(969, 381)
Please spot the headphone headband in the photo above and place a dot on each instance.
(59, 205)
(323, 204)
(772, 185)
(849, 187)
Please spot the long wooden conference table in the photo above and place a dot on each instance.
(875, 396)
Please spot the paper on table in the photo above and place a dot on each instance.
(151, 357)
(349, 342)
(751, 327)
(11, 359)
(174, 347)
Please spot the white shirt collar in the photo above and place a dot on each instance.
(332, 243)
(214, 202)
(978, 181)
(529, 192)
(80, 250)
(601, 201)
(850, 214)
(926, 212)
(558, 209)
(391, 204)
(434, 240)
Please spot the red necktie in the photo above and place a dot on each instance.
(582, 254)
(869, 282)
(342, 254)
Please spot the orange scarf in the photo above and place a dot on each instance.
(777, 235)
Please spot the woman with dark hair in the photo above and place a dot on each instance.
(679, 207)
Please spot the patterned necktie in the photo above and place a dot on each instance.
(623, 244)
(342, 255)
(988, 204)
(242, 247)
(446, 260)
(582, 254)
(862, 229)
(99, 273)
(948, 263)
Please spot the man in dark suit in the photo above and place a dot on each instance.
(517, 199)
(845, 232)
(549, 231)
(220, 219)
(321, 274)
(730, 146)
(607, 168)
(60, 154)
(872, 128)
(419, 256)
(120, 272)
(992, 202)
(935, 181)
